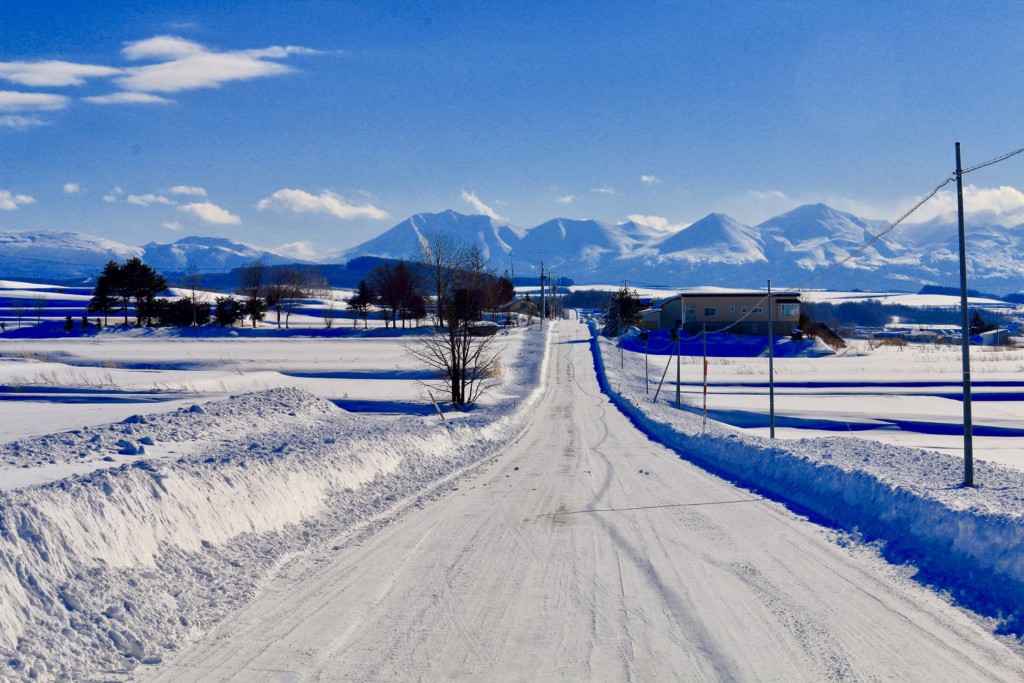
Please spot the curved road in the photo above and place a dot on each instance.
(587, 552)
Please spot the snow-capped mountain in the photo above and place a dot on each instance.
(209, 253)
(716, 238)
(401, 241)
(53, 254)
(59, 255)
(792, 249)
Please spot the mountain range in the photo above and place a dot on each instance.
(799, 248)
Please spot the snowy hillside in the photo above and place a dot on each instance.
(208, 253)
(52, 254)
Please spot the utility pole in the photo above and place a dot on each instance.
(704, 336)
(771, 366)
(543, 312)
(965, 333)
(679, 353)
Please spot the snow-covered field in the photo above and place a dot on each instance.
(909, 396)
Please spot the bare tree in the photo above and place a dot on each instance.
(277, 291)
(315, 285)
(18, 309)
(252, 280)
(468, 361)
(440, 256)
(39, 305)
(191, 281)
(299, 284)
(396, 289)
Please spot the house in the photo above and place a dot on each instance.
(521, 306)
(743, 312)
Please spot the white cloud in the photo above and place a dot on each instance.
(52, 73)
(109, 198)
(650, 179)
(566, 199)
(11, 100)
(162, 47)
(128, 98)
(20, 122)
(10, 201)
(769, 195)
(327, 202)
(656, 222)
(302, 250)
(479, 206)
(148, 199)
(187, 65)
(189, 190)
(603, 190)
(211, 213)
(72, 188)
(1002, 205)
(173, 225)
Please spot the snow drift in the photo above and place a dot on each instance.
(111, 570)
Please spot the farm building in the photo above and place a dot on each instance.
(745, 312)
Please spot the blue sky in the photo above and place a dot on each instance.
(321, 124)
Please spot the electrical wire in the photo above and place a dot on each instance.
(990, 162)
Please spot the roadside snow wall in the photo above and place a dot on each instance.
(104, 572)
(969, 542)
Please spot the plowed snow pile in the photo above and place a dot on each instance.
(104, 571)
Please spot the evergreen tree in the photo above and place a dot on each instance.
(623, 312)
(105, 297)
(360, 302)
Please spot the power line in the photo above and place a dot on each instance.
(990, 162)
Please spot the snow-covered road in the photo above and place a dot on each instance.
(588, 552)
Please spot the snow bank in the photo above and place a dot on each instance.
(969, 542)
(110, 570)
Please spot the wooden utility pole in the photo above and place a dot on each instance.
(771, 366)
(543, 312)
(965, 324)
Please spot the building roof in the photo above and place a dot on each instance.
(714, 292)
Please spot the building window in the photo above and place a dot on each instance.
(743, 310)
(789, 310)
(732, 309)
(757, 309)
(710, 312)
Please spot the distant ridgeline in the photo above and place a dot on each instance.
(955, 291)
(797, 249)
(341, 276)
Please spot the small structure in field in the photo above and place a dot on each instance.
(743, 312)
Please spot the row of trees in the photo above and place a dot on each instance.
(120, 286)
(402, 291)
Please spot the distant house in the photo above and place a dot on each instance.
(521, 306)
(743, 312)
